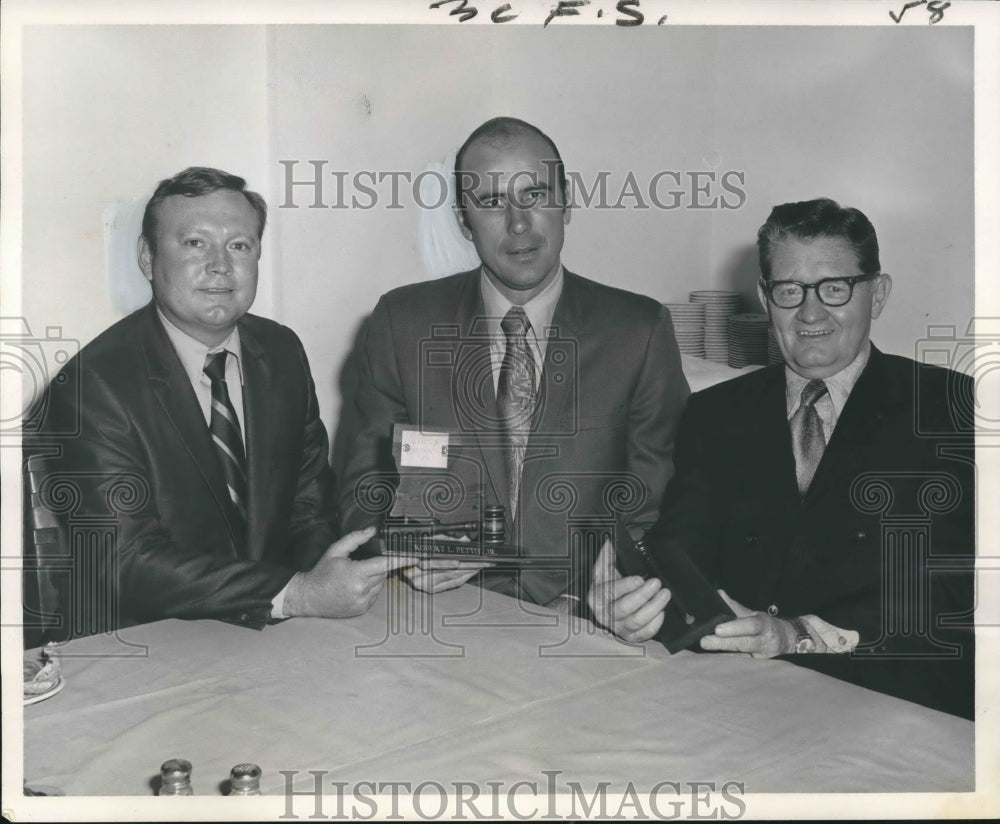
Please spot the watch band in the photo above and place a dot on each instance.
(803, 640)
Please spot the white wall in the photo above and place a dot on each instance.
(881, 120)
(343, 95)
(878, 118)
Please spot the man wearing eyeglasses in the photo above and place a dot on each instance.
(820, 495)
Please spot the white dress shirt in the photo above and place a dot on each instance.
(194, 354)
(539, 310)
(838, 389)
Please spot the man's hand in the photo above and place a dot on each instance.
(632, 608)
(760, 634)
(440, 574)
(337, 587)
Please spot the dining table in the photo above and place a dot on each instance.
(470, 691)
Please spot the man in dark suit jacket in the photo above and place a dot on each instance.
(604, 364)
(862, 551)
(190, 539)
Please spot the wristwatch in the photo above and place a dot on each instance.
(803, 640)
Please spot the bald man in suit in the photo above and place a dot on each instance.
(596, 368)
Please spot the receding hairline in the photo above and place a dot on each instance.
(501, 133)
(503, 138)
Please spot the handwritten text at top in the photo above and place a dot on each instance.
(935, 7)
(628, 11)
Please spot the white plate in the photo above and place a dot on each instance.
(53, 690)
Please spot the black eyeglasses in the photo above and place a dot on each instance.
(789, 294)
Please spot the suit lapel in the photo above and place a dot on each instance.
(477, 396)
(259, 413)
(175, 395)
(769, 437)
(858, 427)
(558, 384)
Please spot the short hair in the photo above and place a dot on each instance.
(821, 217)
(500, 130)
(195, 181)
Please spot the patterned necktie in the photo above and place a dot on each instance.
(225, 429)
(808, 442)
(516, 397)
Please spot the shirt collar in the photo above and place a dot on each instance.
(838, 386)
(193, 353)
(539, 309)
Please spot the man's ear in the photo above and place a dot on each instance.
(145, 255)
(567, 205)
(462, 225)
(880, 294)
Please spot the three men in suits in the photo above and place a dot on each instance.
(195, 427)
(832, 497)
(560, 396)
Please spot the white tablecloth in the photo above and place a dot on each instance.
(468, 686)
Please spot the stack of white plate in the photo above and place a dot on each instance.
(773, 352)
(689, 327)
(719, 305)
(748, 339)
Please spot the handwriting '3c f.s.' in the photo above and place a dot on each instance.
(628, 9)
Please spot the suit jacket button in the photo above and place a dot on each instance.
(245, 617)
(772, 610)
(751, 538)
(859, 535)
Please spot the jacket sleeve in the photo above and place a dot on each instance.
(661, 393)
(368, 471)
(314, 517)
(687, 522)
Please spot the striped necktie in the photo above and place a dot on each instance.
(516, 397)
(225, 429)
(808, 442)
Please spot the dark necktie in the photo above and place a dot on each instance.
(516, 397)
(808, 442)
(225, 429)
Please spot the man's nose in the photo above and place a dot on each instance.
(518, 219)
(220, 261)
(812, 308)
